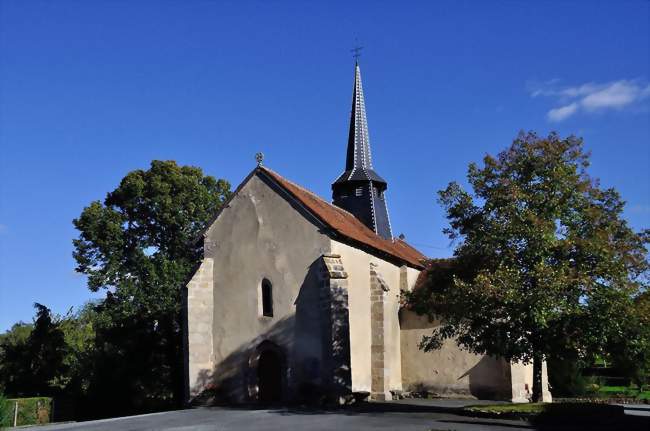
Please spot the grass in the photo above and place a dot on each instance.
(528, 408)
(546, 411)
(568, 415)
(623, 391)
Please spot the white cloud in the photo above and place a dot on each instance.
(559, 114)
(542, 89)
(616, 95)
(590, 97)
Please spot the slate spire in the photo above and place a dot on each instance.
(359, 189)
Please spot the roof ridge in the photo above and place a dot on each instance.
(346, 224)
(306, 190)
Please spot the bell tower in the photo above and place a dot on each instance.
(360, 190)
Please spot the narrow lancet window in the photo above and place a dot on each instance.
(267, 298)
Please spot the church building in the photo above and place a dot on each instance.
(298, 299)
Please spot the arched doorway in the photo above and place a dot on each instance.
(269, 377)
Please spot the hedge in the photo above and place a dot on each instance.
(31, 411)
(6, 412)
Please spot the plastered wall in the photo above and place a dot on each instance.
(448, 371)
(357, 265)
(261, 235)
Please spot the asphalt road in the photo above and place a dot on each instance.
(420, 415)
(224, 419)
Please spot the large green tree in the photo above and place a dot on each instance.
(139, 244)
(544, 263)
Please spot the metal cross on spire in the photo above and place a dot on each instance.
(356, 52)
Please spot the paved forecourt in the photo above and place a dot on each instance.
(282, 419)
(408, 415)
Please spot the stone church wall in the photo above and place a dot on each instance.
(261, 235)
(384, 341)
(450, 371)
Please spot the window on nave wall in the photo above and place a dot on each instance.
(267, 298)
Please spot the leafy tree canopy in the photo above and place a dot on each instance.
(140, 244)
(631, 351)
(544, 264)
(18, 334)
(12, 345)
(33, 357)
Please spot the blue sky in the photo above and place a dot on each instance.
(92, 90)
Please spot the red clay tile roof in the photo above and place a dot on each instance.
(348, 226)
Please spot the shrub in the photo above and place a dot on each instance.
(592, 385)
(31, 411)
(566, 379)
(6, 412)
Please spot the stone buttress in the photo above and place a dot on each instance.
(336, 331)
(199, 308)
(379, 370)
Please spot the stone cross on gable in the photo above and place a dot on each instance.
(259, 158)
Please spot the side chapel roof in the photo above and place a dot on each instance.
(348, 226)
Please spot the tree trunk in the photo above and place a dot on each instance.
(537, 377)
